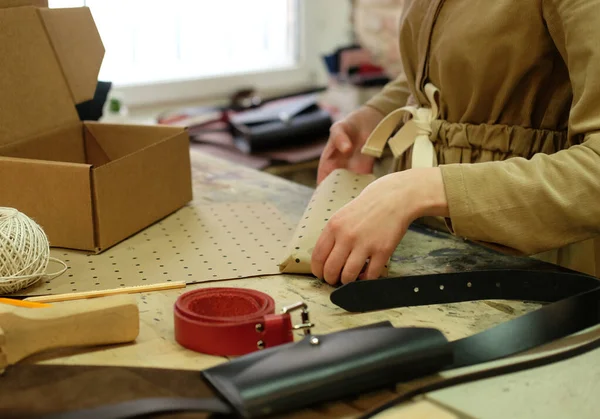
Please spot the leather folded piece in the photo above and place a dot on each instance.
(322, 368)
(336, 190)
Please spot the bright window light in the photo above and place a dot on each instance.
(157, 41)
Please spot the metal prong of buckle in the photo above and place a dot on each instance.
(306, 324)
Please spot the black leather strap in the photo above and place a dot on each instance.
(547, 324)
(429, 386)
(445, 288)
(575, 305)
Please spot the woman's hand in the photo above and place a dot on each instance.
(345, 142)
(370, 227)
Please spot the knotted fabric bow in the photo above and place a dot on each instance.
(415, 132)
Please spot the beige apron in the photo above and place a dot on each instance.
(423, 140)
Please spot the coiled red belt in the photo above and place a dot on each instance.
(233, 321)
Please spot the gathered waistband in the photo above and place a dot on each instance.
(471, 143)
(426, 140)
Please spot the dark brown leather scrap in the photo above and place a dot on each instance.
(28, 390)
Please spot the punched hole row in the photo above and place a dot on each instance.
(469, 285)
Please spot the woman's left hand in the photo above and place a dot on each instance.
(370, 227)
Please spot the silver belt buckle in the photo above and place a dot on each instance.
(306, 325)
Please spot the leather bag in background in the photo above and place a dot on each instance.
(280, 123)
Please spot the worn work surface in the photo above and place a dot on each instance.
(422, 251)
(238, 226)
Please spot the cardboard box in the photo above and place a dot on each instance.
(89, 185)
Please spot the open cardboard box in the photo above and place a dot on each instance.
(88, 184)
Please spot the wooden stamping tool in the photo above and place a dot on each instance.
(25, 331)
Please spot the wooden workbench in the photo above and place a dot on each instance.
(534, 394)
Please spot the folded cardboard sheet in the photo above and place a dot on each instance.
(198, 243)
(337, 190)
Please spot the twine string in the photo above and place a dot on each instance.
(24, 252)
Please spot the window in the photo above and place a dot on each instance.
(158, 50)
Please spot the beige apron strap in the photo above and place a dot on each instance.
(404, 138)
(379, 137)
(415, 132)
(423, 154)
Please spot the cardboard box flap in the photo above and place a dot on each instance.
(51, 59)
(35, 97)
(78, 47)
(57, 195)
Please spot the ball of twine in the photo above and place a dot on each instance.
(24, 252)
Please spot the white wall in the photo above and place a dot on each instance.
(329, 27)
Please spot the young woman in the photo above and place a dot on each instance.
(504, 99)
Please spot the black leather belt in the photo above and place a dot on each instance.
(566, 316)
(575, 306)
(313, 370)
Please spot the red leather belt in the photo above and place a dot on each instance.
(233, 321)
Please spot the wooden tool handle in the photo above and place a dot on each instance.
(100, 321)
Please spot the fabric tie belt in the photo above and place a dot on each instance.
(415, 132)
(233, 321)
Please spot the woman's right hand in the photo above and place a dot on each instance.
(346, 139)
